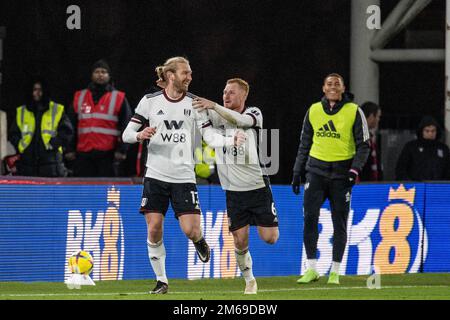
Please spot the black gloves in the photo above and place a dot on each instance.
(351, 178)
(296, 184)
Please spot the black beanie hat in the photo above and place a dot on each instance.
(101, 64)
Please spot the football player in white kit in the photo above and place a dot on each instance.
(248, 192)
(167, 120)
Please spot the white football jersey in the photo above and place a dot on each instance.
(170, 150)
(239, 168)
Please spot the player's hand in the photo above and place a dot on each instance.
(201, 104)
(296, 184)
(146, 134)
(239, 138)
(351, 178)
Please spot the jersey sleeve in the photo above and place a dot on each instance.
(362, 138)
(256, 115)
(211, 136)
(248, 119)
(143, 108)
(137, 122)
(306, 140)
(215, 118)
(141, 114)
(202, 120)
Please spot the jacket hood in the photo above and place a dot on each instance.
(428, 121)
(348, 96)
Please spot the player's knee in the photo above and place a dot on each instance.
(241, 243)
(192, 232)
(189, 232)
(154, 234)
(271, 238)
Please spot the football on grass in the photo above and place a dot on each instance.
(81, 262)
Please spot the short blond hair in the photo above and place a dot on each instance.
(242, 83)
(171, 65)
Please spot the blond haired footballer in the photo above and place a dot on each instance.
(167, 122)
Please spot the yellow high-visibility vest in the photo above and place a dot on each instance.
(49, 125)
(333, 134)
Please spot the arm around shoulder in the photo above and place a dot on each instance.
(241, 120)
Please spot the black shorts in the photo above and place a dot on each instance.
(157, 194)
(254, 207)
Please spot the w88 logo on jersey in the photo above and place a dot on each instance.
(174, 137)
(234, 151)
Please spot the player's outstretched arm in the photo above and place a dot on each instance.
(216, 140)
(241, 120)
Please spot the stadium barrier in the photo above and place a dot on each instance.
(398, 228)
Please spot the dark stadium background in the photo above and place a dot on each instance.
(284, 49)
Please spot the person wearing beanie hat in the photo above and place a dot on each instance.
(100, 113)
(102, 64)
(425, 158)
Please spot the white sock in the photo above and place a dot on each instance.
(335, 267)
(245, 263)
(311, 263)
(157, 257)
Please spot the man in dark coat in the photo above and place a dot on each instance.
(425, 158)
(40, 131)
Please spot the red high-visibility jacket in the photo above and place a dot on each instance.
(97, 123)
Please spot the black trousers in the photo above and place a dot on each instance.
(317, 190)
(94, 164)
(51, 170)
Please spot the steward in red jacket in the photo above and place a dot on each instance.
(100, 114)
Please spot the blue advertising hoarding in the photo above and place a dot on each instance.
(397, 228)
(437, 224)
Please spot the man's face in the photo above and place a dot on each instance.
(100, 76)
(233, 96)
(373, 120)
(333, 88)
(182, 77)
(37, 92)
(429, 132)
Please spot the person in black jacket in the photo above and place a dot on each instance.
(334, 146)
(40, 132)
(425, 158)
(373, 169)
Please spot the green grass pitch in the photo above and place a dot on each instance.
(393, 287)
